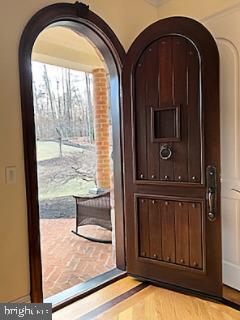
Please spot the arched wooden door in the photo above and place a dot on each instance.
(172, 156)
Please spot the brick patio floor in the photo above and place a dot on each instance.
(67, 259)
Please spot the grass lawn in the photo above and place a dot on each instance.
(49, 149)
(56, 176)
(76, 187)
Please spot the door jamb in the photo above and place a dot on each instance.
(80, 19)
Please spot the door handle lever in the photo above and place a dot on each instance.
(211, 195)
(211, 192)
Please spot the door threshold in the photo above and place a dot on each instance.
(79, 291)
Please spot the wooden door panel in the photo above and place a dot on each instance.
(168, 231)
(141, 139)
(164, 92)
(182, 233)
(143, 225)
(165, 71)
(194, 123)
(171, 130)
(195, 239)
(180, 98)
(155, 229)
(152, 99)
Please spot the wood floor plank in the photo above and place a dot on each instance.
(110, 304)
(156, 303)
(231, 294)
(151, 303)
(79, 308)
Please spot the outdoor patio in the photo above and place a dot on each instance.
(74, 158)
(69, 259)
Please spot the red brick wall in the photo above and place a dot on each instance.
(101, 111)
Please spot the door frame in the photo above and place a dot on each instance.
(80, 19)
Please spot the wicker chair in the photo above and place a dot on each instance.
(93, 210)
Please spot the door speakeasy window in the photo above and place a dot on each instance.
(162, 116)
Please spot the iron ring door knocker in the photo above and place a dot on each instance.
(165, 152)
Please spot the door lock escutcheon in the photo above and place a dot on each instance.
(211, 192)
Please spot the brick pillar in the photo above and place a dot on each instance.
(101, 112)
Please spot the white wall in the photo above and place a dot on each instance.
(193, 8)
(127, 19)
(225, 27)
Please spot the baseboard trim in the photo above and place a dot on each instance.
(229, 275)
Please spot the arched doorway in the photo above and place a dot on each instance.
(80, 19)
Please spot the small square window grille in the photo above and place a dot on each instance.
(165, 123)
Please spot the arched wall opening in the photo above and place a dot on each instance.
(81, 20)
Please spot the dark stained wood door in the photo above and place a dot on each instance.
(171, 156)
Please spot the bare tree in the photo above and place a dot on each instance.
(63, 108)
(60, 142)
(69, 100)
(48, 88)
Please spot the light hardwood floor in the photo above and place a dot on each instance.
(231, 294)
(149, 303)
(81, 307)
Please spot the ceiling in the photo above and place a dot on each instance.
(156, 3)
(63, 47)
